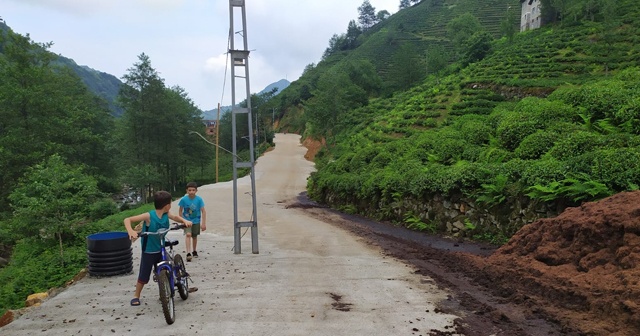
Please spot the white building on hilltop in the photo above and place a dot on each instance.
(531, 15)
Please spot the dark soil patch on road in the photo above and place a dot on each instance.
(575, 274)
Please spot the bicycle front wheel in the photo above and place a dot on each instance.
(164, 283)
(182, 280)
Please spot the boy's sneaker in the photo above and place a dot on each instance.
(195, 254)
(188, 256)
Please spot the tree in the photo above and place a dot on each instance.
(367, 15)
(408, 3)
(508, 25)
(154, 141)
(52, 200)
(333, 97)
(437, 59)
(353, 32)
(336, 44)
(461, 29)
(479, 47)
(44, 110)
(382, 15)
(405, 4)
(405, 61)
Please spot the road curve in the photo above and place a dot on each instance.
(309, 277)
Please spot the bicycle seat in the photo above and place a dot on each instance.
(170, 242)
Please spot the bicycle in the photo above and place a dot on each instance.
(170, 273)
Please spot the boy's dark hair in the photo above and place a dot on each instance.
(192, 185)
(161, 198)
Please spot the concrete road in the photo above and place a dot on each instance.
(309, 277)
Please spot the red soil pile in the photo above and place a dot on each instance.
(581, 268)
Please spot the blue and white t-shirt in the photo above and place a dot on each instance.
(191, 208)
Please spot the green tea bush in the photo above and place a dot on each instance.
(491, 154)
(513, 129)
(600, 99)
(618, 168)
(628, 116)
(474, 129)
(543, 171)
(575, 144)
(535, 145)
(363, 157)
(543, 111)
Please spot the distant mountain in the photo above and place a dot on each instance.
(213, 114)
(280, 85)
(100, 83)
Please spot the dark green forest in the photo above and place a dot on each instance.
(444, 100)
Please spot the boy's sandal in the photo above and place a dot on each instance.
(135, 302)
(193, 289)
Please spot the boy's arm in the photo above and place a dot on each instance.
(203, 219)
(138, 218)
(180, 219)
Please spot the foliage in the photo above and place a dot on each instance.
(493, 194)
(46, 110)
(576, 188)
(464, 31)
(156, 146)
(35, 267)
(52, 200)
(415, 223)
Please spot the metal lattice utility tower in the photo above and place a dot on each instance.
(240, 62)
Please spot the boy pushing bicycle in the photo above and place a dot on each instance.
(152, 245)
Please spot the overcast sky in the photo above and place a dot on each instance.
(186, 40)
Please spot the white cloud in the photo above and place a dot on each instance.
(216, 65)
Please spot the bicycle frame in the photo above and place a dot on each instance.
(176, 276)
(167, 263)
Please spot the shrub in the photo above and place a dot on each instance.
(536, 144)
(600, 99)
(618, 168)
(512, 130)
(543, 171)
(576, 144)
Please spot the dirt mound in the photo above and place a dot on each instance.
(581, 268)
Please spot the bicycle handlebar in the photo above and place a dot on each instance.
(176, 226)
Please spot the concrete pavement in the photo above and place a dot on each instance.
(309, 278)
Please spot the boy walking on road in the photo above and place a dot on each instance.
(192, 208)
(154, 220)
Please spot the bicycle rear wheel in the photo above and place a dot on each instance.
(182, 280)
(164, 283)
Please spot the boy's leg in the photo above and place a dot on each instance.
(195, 245)
(147, 262)
(195, 232)
(187, 242)
(138, 291)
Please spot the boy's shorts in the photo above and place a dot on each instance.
(194, 230)
(148, 262)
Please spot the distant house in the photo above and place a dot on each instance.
(531, 15)
(211, 127)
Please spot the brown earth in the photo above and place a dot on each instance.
(575, 274)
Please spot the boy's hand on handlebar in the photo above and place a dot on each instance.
(187, 223)
(132, 234)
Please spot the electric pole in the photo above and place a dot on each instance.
(240, 63)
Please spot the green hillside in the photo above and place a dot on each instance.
(102, 84)
(425, 25)
(542, 121)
